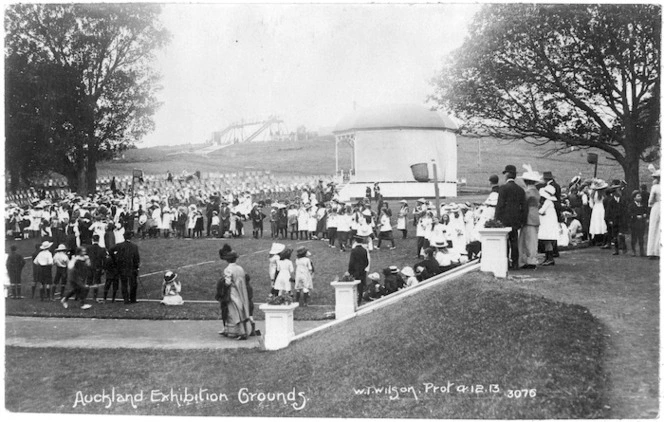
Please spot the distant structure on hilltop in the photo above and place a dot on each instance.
(272, 129)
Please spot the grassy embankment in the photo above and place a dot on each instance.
(470, 333)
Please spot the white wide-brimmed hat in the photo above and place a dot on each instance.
(277, 248)
(530, 174)
(598, 184)
(407, 271)
(548, 192)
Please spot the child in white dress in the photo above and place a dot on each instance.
(304, 271)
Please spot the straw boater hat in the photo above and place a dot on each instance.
(374, 276)
(366, 213)
(403, 201)
(439, 243)
(394, 269)
(615, 185)
(45, 245)
(277, 248)
(61, 247)
(575, 180)
(421, 200)
(548, 192)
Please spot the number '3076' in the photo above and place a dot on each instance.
(523, 393)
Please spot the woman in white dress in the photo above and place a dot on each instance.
(653, 228)
(548, 228)
(597, 228)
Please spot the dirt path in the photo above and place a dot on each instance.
(623, 293)
(126, 333)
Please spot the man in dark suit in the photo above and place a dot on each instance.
(512, 211)
(127, 260)
(357, 265)
(97, 256)
(224, 218)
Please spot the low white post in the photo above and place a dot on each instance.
(494, 251)
(345, 298)
(279, 328)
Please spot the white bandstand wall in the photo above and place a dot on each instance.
(385, 155)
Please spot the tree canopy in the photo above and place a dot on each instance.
(79, 85)
(564, 75)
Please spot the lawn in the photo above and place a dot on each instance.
(470, 349)
(199, 267)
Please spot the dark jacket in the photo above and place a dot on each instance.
(616, 212)
(97, 256)
(511, 209)
(430, 268)
(638, 214)
(359, 260)
(15, 265)
(125, 257)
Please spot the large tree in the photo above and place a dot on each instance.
(586, 76)
(80, 85)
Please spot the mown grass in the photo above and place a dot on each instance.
(470, 332)
(199, 281)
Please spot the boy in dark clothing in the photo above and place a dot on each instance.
(616, 218)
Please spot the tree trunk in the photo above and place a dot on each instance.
(630, 166)
(92, 175)
(82, 181)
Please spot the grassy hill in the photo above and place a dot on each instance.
(477, 159)
(392, 363)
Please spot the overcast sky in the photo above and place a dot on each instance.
(307, 63)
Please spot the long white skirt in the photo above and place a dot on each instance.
(172, 300)
(597, 223)
(654, 230)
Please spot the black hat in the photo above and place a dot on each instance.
(509, 169)
(547, 175)
(226, 252)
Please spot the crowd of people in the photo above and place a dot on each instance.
(85, 237)
(544, 216)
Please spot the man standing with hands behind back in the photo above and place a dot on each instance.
(512, 211)
(127, 260)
